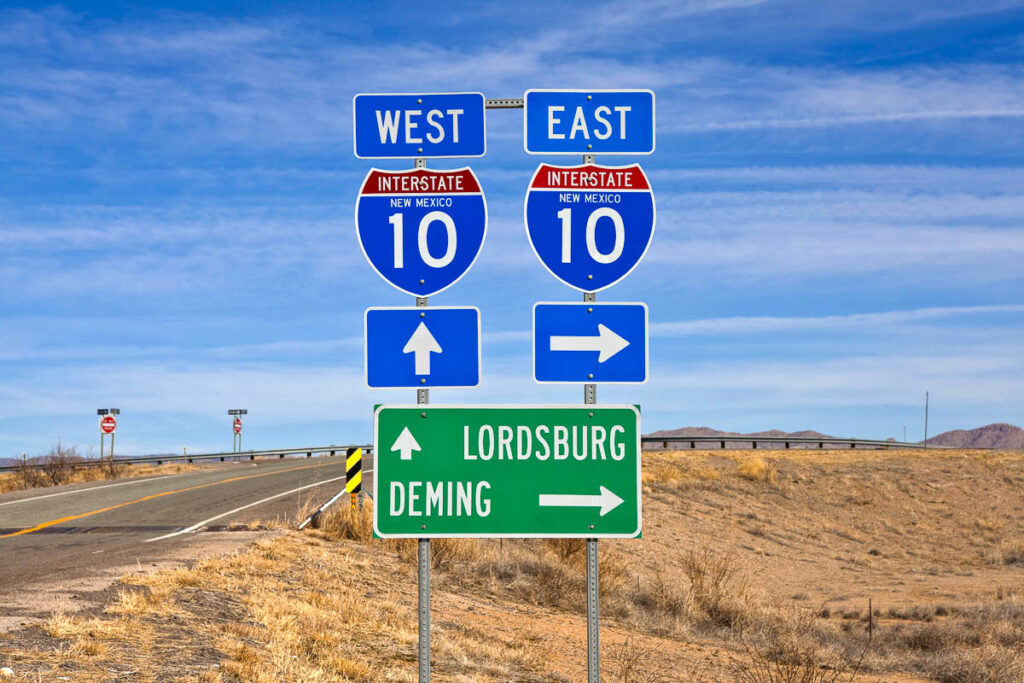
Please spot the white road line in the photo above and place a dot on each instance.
(203, 523)
(91, 488)
(326, 505)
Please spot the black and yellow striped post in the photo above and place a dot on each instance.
(354, 474)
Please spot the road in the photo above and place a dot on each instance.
(69, 533)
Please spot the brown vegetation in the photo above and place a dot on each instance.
(749, 570)
(65, 465)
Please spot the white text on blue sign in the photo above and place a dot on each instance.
(429, 125)
(589, 122)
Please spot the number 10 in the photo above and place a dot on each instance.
(421, 239)
(596, 215)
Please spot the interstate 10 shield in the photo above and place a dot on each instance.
(421, 229)
(589, 225)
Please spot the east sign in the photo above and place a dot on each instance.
(507, 471)
(588, 122)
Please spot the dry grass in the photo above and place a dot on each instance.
(699, 593)
(759, 469)
(72, 471)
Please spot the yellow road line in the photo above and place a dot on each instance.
(69, 518)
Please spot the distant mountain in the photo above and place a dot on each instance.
(998, 435)
(708, 431)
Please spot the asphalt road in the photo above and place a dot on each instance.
(71, 532)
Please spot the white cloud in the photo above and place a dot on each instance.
(860, 321)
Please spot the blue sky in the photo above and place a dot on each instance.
(840, 193)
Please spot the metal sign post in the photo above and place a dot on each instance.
(236, 428)
(423, 544)
(593, 580)
(108, 425)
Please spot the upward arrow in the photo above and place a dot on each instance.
(607, 343)
(405, 444)
(421, 344)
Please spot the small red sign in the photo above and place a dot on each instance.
(108, 424)
(238, 425)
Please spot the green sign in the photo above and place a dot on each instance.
(506, 471)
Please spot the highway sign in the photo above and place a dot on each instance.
(421, 229)
(590, 342)
(108, 424)
(507, 471)
(589, 225)
(238, 425)
(431, 125)
(421, 347)
(588, 121)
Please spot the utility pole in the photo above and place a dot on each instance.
(926, 420)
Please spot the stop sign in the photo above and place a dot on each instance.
(108, 424)
(238, 425)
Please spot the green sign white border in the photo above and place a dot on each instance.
(510, 406)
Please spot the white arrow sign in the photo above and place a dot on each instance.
(606, 341)
(405, 444)
(422, 344)
(607, 500)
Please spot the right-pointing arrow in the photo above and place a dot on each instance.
(606, 342)
(606, 500)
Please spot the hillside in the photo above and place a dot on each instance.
(749, 569)
(708, 431)
(998, 435)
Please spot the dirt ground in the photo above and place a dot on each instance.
(753, 566)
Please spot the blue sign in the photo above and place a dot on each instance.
(588, 121)
(403, 126)
(590, 343)
(421, 229)
(422, 347)
(589, 225)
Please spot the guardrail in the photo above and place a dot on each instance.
(222, 457)
(785, 440)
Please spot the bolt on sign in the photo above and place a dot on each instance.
(507, 471)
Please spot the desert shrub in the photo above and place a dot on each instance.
(631, 662)
(111, 469)
(444, 552)
(711, 577)
(663, 596)
(759, 469)
(1009, 553)
(59, 464)
(30, 475)
(567, 549)
(342, 522)
(930, 637)
(680, 476)
(553, 585)
(986, 664)
(788, 645)
(612, 571)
